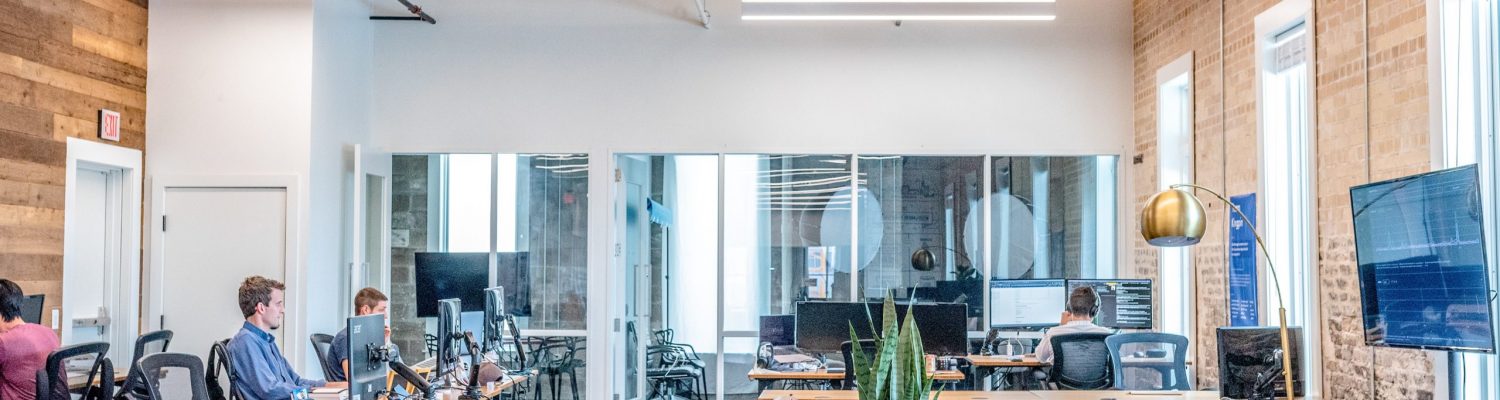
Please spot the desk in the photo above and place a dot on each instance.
(766, 377)
(76, 380)
(489, 393)
(1006, 362)
(1008, 395)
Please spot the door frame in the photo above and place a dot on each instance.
(293, 274)
(125, 270)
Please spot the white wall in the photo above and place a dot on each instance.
(578, 75)
(249, 87)
(340, 118)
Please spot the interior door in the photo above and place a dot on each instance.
(92, 260)
(369, 219)
(212, 239)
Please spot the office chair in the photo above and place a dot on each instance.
(1080, 361)
(134, 389)
(52, 379)
(151, 368)
(218, 360)
(667, 369)
(1172, 365)
(322, 344)
(866, 345)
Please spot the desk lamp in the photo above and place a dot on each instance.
(1175, 218)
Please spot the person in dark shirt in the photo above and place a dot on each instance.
(368, 301)
(262, 372)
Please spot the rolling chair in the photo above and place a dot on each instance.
(866, 345)
(322, 343)
(133, 388)
(219, 367)
(1173, 369)
(151, 368)
(52, 381)
(1080, 361)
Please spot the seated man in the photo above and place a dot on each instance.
(24, 347)
(1083, 303)
(368, 301)
(262, 372)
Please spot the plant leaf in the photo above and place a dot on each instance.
(864, 377)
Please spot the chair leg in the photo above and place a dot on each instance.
(573, 380)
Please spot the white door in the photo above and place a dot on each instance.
(89, 287)
(370, 220)
(211, 240)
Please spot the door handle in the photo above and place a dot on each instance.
(100, 320)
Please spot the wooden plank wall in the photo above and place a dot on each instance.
(60, 62)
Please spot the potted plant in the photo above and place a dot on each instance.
(898, 369)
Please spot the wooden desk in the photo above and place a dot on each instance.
(1006, 362)
(760, 374)
(76, 381)
(1004, 395)
(488, 393)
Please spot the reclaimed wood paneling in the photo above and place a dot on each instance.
(60, 62)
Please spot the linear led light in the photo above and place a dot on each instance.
(898, 10)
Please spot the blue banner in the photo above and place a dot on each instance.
(1243, 290)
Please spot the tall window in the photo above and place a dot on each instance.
(1469, 100)
(1285, 48)
(1174, 143)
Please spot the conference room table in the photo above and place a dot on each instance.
(1005, 395)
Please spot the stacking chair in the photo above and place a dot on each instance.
(134, 387)
(152, 366)
(1172, 364)
(322, 344)
(1080, 361)
(52, 379)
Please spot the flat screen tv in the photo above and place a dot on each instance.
(462, 276)
(1419, 241)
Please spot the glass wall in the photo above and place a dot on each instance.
(920, 229)
(1053, 217)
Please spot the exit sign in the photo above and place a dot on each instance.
(109, 125)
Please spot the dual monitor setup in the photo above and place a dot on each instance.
(367, 336)
(823, 326)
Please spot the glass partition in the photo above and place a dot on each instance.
(1053, 217)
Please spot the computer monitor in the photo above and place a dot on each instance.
(449, 339)
(822, 327)
(1123, 303)
(1250, 362)
(367, 365)
(969, 292)
(778, 330)
(451, 275)
(1026, 303)
(494, 319)
(31, 308)
(1423, 278)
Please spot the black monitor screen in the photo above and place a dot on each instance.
(1250, 362)
(778, 330)
(366, 374)
(462, 276)
(1123, 303)
(1422, 276)
(31, 308)
(823, 326)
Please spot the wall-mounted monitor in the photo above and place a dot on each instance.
(1423, 280)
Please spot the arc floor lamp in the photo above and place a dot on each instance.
(1175, 218)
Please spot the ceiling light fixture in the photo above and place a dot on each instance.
(898, 10)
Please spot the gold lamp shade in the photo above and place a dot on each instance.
(1173, 218)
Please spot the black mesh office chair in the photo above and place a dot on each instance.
(151, 368)
(1080, 361)
(867, 345)
(221, 374)
(134, 389)
(322, 344)
(52, 379)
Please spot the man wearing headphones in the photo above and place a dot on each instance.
(1083, 303)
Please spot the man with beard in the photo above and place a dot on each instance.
(261, 371)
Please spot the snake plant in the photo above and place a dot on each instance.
(897, 370)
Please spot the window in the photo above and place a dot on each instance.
(1284, 45)
(1467, 77)
(1174, 116)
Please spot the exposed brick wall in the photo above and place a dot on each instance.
(409, 190)
(1347, 154)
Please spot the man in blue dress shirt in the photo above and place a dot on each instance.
(261, 372)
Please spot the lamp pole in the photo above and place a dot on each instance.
(1286, 348)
